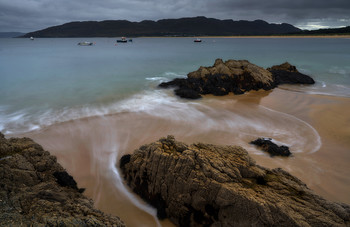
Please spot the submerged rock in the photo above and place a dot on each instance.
(36, 191)
(236, 76)
(273, 149)
(208, 185)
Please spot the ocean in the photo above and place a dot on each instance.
(88, 105)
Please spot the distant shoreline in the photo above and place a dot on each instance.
(258, 36)
(224, 37)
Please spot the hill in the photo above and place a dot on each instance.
(10, 34)
(328, 31)
(194, 26)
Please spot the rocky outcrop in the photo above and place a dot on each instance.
(36, 191)
(273, 149)
(208, 185)
(288, 74)
(220, 79)
(236, 76)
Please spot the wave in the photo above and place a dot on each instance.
(118, 183)
(166, 76)
(157, 78)
(244, 123)
(320, 88)
(27, 120)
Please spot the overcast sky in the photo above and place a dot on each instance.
(32, 15)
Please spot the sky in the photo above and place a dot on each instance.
(32, 15)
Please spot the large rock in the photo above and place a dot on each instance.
(237, 76)
(36, 191)
(288, 74)
(222, 78)
(208, 185)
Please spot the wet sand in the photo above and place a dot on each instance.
(316, 127)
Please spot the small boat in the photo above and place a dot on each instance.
(85, 43)
(122, 40)
(31, 38)
(197, 40)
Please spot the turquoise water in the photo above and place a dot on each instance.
(46, 81)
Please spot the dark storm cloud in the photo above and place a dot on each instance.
(303, 13)
(29, 15)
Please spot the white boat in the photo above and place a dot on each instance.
(85, 43)
(198, 40)
(31, 38)
(122, 40)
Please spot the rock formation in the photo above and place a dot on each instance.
(237, 76)
(36, 191)
(288, 74)
(273, 149)
(208, 185)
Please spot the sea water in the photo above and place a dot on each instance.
(46, 81)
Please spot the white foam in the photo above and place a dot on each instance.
(157, 103)
(174, 74)
(10, 122)
(157, 78)
(166, 76)
(297, 134)
(320, 88)
(118, 182)
(257, 122)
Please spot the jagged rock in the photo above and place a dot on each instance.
(36, 191)
(284, 67)
(236, 76)
(208, 185)
(273, 149)
(288, 74)
(221, 79)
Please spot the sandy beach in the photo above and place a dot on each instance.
(314, 126)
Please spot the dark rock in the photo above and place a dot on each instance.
(235, 76)
(288, 74)
(273, 149)
(36, 191)
(124, 160)
(221, 79)
(65, 180)
(187, 93)
(208, 185)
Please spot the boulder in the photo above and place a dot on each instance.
(36, 191)
(222, 78)
(209, 185)
(273, 149)
(236, 76)
(288, 74)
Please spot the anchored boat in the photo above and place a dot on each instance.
(122, 40)
(85, 43)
